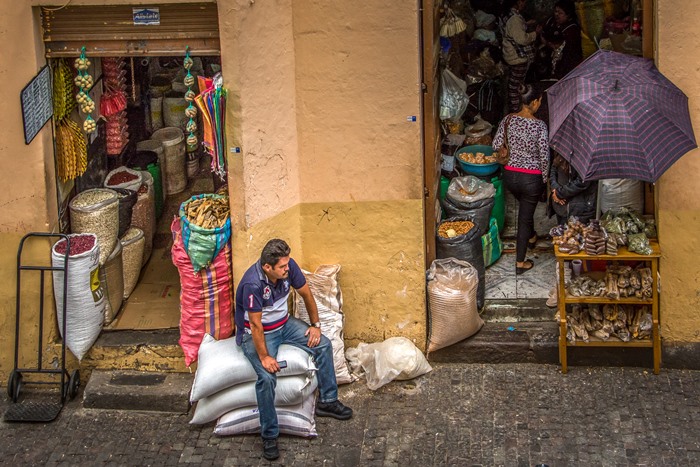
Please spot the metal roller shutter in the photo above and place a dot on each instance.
(109, 30)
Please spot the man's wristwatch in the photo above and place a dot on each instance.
(316, 324)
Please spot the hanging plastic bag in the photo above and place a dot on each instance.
(453, 96)
(383, 362)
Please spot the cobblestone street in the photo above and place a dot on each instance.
(491, 415)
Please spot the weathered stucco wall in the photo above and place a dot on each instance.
(678, 39)
(348, 189)
(27, 200)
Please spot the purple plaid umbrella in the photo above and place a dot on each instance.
(617, 116)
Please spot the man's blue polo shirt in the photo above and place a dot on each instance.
(255, 293)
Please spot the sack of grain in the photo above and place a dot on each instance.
(452, 302)
(329, 301)
(290, 390)
(84, 297)
(112, 281)
(222, 364)
(96, 211)
(295, 420)
(144, 216)
(133, 243)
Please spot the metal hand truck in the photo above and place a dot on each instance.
(40, 411)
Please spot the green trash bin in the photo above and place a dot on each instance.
(499, 203)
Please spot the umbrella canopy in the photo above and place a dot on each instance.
(617, 116)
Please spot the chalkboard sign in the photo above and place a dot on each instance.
(37, 104)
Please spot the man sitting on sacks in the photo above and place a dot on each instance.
(263, 323)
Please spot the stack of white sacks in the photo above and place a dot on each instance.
(224, 389)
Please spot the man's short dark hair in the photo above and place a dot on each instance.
(273, 251)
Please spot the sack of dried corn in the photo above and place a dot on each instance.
(206, 227)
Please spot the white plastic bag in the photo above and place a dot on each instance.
(329, 301)
(85, 303)
(479, 128)
(453, 96)
(452, 302)
(383, 362)
(470, 189)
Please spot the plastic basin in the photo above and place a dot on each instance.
(477, 169)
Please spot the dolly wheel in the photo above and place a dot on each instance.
(74, 384)
(14, 385)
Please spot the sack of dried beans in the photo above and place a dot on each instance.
(84, 298)
(123, 177)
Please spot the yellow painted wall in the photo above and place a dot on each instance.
(677, 57)
(329, 161)
(27, 199)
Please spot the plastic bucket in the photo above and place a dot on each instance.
(173, 140)
(157, 147)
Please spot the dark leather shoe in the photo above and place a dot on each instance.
(270, 450)
(333, 409)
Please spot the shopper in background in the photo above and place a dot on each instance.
(569, 195)
(562, 35)
(263, 323)
(518, 49)
(526, 172)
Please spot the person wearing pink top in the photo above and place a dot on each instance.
(526, 172)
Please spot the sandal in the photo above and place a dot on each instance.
(519, 270)
(531, 244)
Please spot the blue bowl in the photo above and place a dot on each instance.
(477, 169)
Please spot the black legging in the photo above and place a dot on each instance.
(527, 189)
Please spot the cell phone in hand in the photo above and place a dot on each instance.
(282, 363)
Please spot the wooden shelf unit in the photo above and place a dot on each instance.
(623, 255)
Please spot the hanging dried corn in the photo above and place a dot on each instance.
(71, 144)
(84, 82)
(191, 110)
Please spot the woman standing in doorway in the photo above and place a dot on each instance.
(526, 172)
(518, 49)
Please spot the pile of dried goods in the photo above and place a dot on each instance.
(477, 158)
(625, 322)
(97, 211)
(78, 244)
(594, 238)
(453, 229)
(620, 281)
(208, 212)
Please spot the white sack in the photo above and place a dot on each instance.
(452, 309)
(295, 420)
(329, 301)
(290, 390)
(134, 184)
(222, 364)
(383, 362)
(85, 303)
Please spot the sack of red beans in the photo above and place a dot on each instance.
(84, 297)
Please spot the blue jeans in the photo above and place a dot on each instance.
(292, 333)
